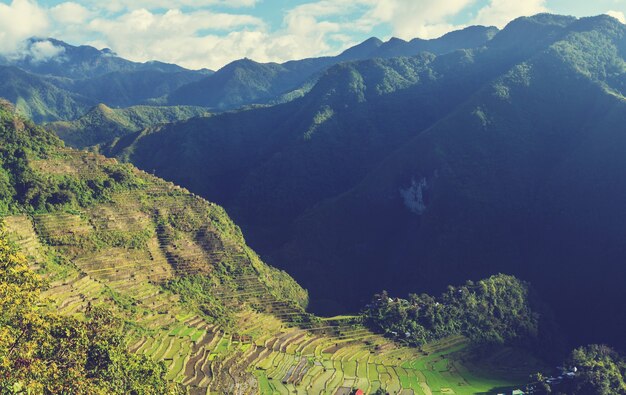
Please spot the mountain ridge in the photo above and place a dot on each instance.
(275, 79)
(290, 169)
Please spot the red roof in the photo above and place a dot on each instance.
(359, 392)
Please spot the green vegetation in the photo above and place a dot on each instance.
(43, 352)
(103, 124)
(495, 310)
(38, 98)
(34, 190)
(596, 369)
(429, 170)
(168, 277)
(196, 290)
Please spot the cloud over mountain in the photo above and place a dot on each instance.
(212, 33)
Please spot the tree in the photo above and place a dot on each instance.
(45, 353)
(600, 371)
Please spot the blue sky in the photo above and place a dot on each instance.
(211, 33)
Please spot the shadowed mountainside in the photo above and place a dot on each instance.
(426, 168)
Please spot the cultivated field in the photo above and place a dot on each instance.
(124, 253)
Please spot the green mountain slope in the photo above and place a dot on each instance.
(269, 165)
(177, 276)
(103, 124)
(524, 176)
(502, 158)
(49, 99)
(38, 97)
(123, 89)
(279, 156)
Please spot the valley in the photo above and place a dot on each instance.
(318, 182)
(146, 251)
(413, 217)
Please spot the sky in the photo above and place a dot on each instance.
(211, 33)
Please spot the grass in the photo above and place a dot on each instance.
(440, 372)
(222, 346)
(264, 384)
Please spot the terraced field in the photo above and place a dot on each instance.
(125, 251)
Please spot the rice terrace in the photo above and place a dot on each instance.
(126, 250)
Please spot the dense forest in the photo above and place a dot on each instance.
(500, 309)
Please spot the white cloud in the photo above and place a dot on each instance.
(193, 34)
(178, 37)
(20, 20)
(207, 39)
(35, 51)
(43, 50)
(500, 12)
(122, 5)
(70, 13)
(418, 18)
(617, 15)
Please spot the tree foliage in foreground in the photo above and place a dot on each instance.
(600, 371)
(44, 353)
(494, 310)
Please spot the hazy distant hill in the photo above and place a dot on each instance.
(70, 80)
(77, 62)
(105, 124)
(39, 97)
(84, 76)
(505, 157)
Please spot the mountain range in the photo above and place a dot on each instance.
(245, 82)
(504, 157)
(363, 183)
(78, 78)
(69, 80)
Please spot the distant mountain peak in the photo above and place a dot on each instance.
(396, 40)
(364, 49)
(543, 19)
(108, 51)
(600, 22)
(50, 56)
(102, 108)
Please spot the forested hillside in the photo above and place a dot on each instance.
(104, 124)
(126, 283)
(432, 169)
